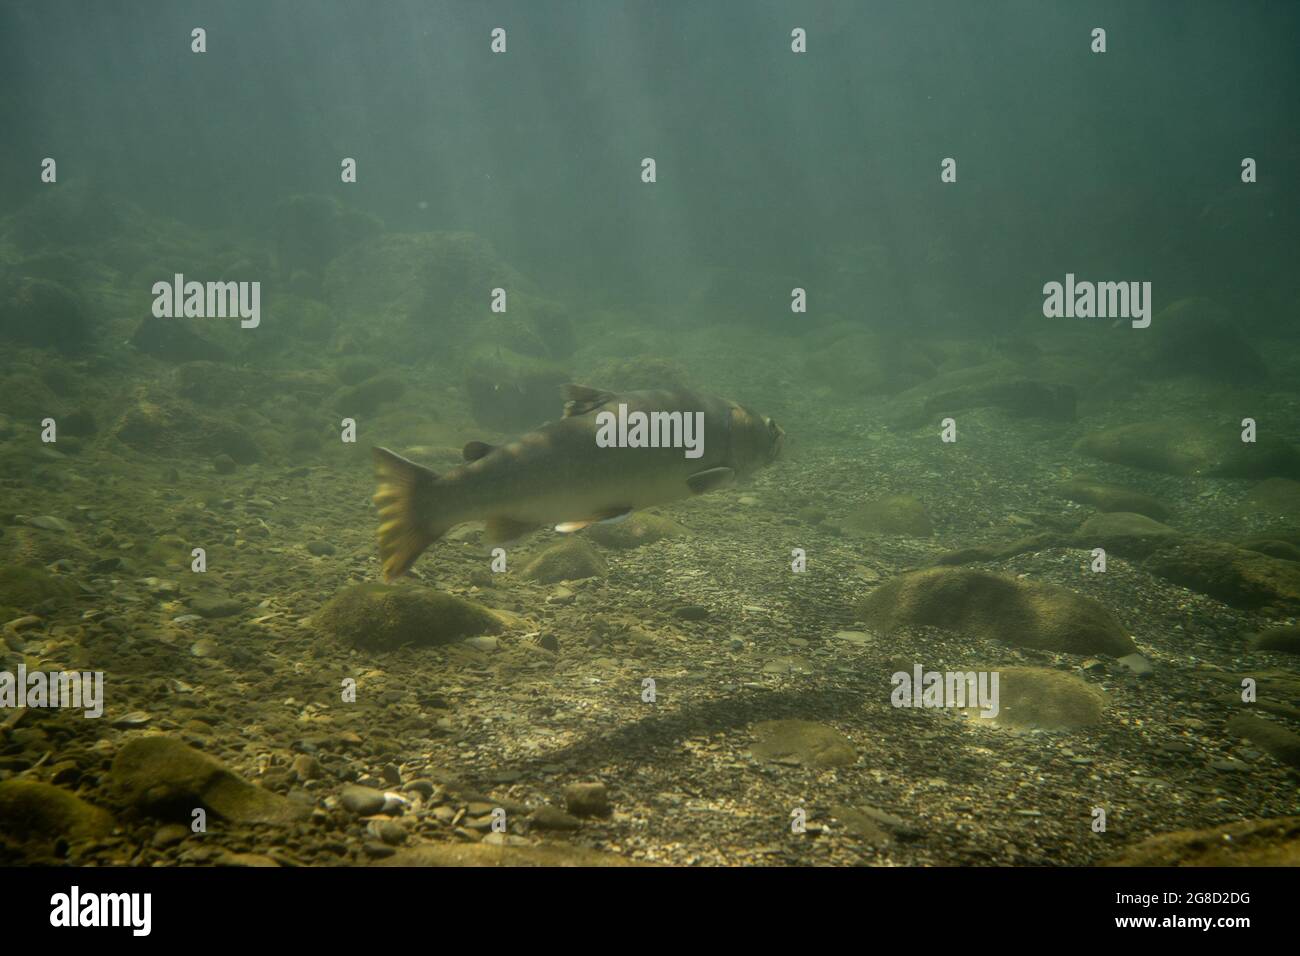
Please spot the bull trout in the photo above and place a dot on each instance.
(608, 456)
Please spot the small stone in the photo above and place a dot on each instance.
(214, 607)
(691, 612)
(587, 799)
(320, 548)
(553, 818)
(170, 835)
(223, 464)
(1136, 664)
(485, 643)
(363, 801)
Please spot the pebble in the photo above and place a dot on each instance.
(363, 801)
(223, 464)
(691, 612)
(1135, 663)
(214, 607)
(320, 548)
(587, 799)
(485, 643)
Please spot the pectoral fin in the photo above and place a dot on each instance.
(711, 480)
(580, 399)
(606, 517)
(503, 530)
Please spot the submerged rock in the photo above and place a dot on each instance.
(1274, 496)
(569, 560)
(1123, 533)
(1281, 744)
(1235, 576)
(45, 314)
(378, 616)
(1194, 337)
(31, 810)
(167, 778)
(802, 742)
(1110, 498)
(30, 586)
(1039, 698)
(897, 514)
(1283, 639)
(633, 531)
(1273, 842)
(1192, 448)
(997, 608)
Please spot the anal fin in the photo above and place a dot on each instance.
(604, 517)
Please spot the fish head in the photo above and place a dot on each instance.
(775, 439)
(756, 440)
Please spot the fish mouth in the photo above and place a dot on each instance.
(776, 439)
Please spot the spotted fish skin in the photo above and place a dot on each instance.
(559, 475)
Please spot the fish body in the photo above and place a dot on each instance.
(560, 474)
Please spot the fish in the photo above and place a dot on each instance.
(565, 474)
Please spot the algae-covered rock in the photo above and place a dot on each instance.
(802, 742)
(165, 777)
(896, 514)
(45, 314)
(997, 608)
(378, 616)
(1274, 496)
(365, 397)
(568, 560)
(1281, 744)
(1192, 448)
(30, 809)
(1112, 498)
(1194, 337)
(1274, 842)
(1123, 532)
(1039, 698)
(633, 531)
(30, 586)
(1235, 576)
(1285, 640)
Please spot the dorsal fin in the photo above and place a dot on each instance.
(580, 399)
(475, 450)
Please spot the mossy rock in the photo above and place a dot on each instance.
(1281, 744)
(1039, 698)
(30, 809)
(998, 609)
(378, 616)
(1235, 576)
(802, 742)
(896, 514)
(1192, 448)
(1111, 498)
(1275, 496)
(1274, 842)
(368, 396)
(1285, 640)
(568, 560)
(165, 777)
(634, 530)
(1123, 532)
(30, 586)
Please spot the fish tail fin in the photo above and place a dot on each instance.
(409, 519)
